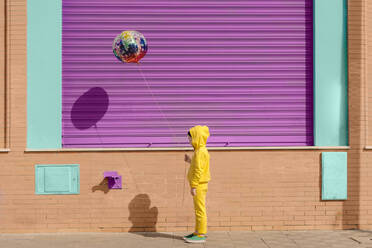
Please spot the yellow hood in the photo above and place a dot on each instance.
(199, 136)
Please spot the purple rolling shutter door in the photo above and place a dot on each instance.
(244, 68)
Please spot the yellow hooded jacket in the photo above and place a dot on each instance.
(199, 168)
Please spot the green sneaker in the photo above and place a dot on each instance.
(196, 239)
(188, 236)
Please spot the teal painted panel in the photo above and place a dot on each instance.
(44, 74)
(39, 180)
(330, 73)
(334, 176)
(57, 179)
(75, 180)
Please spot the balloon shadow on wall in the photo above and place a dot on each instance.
(89, 108)
(144, 218)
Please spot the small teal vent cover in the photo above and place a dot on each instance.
(57, 179)
(334, 176)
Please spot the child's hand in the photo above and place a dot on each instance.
(187, 158)
(193, 191)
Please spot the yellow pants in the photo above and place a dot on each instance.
(200, 210)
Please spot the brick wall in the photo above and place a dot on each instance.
(352, 207)
(250, 190)
(365, 218)
(2, 73)
(368, 72)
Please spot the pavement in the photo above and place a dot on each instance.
(258, 239)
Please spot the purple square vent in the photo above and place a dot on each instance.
(114, 180)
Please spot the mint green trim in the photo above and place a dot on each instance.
(44, 75)
(57, 179)
(334, 176)
(330, 73)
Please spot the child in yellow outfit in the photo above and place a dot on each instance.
(199, 177)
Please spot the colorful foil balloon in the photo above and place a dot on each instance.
(129, 46)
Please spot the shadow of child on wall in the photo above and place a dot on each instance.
(144, 218)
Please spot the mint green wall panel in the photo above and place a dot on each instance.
(334, 176)
(330, 73)
(44, 81)
(57, 179)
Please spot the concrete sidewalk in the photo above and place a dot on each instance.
(264, 239)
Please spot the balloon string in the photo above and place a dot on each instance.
(99, 136)
(157, 104)
(175, 137)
